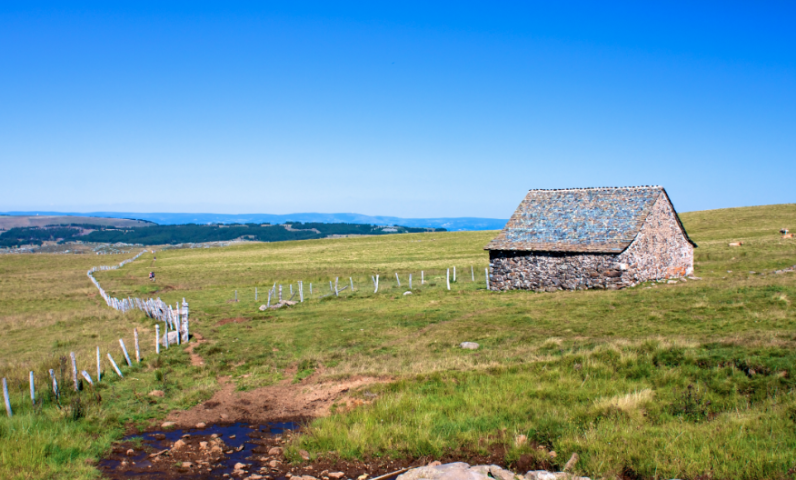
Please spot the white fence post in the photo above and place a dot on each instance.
(410, 281)
(124, 350)
(448, 278)
(116, 367)
(352, 283)
(454, 274)
(99, 369)
(397, 279)
(486, 273)
(32, 390)
(137, 350)
(157, 343)
(472, 272)
(74, 369)
(55, 383)
(7, 399)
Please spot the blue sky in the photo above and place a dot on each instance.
(423, 109)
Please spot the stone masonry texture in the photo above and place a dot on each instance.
(660, 249)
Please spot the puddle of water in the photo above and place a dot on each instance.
(234, 436)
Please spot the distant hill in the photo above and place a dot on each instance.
(450, 224)
(7, 222)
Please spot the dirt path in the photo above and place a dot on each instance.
(308, 399)
(196, 360)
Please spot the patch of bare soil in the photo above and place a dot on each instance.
(226, 321)
(308, 399)
(196, 360)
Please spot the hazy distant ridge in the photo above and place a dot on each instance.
(462, 223)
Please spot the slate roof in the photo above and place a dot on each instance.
(598, 220)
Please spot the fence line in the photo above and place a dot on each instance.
(175, 319)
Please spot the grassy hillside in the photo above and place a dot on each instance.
(664, 381)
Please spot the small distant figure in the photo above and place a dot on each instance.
(152, 276)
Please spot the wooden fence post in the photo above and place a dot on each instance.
(448, 278)
(157, 342)
(32, 390)
(116, 367)
(87, 377)
(472, 272)
(74, 369)
(8, 400)
(99, 369)
(301, 291)
(486, 273)
(377, 284)
(310, 289)
(454, 274)
(124, 350)
(336, 291)
(410, 281)
(236, 295)
(397, 279)
(137, 350)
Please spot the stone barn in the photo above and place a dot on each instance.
(573, 239)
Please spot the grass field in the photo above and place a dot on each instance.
(658, 381)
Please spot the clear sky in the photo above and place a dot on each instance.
(424, 109)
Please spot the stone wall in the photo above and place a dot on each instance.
(660, 250)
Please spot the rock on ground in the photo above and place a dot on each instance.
(469, 345)
(463, 471)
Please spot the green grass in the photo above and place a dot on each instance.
(668, 381)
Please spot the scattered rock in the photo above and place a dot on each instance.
(304, 454)
(273, 463)
(521, 440)
(239, 466)
(553, 454)
(671, 281)
(263, 308)
(203, 445)
(695, 278)
(407, 293)
(735, 244)
(167, 424)
(275, 451)
(469, 345)
(336, 475)
(130, 452)
(571, 462)
(172, 338)
(178, 444)
(500, 473)
(435, 463)
(201, 425)
(157, 393)
(187, 464)
(539, 475)
(363, 476)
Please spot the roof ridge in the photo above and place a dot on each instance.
(638, 187)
